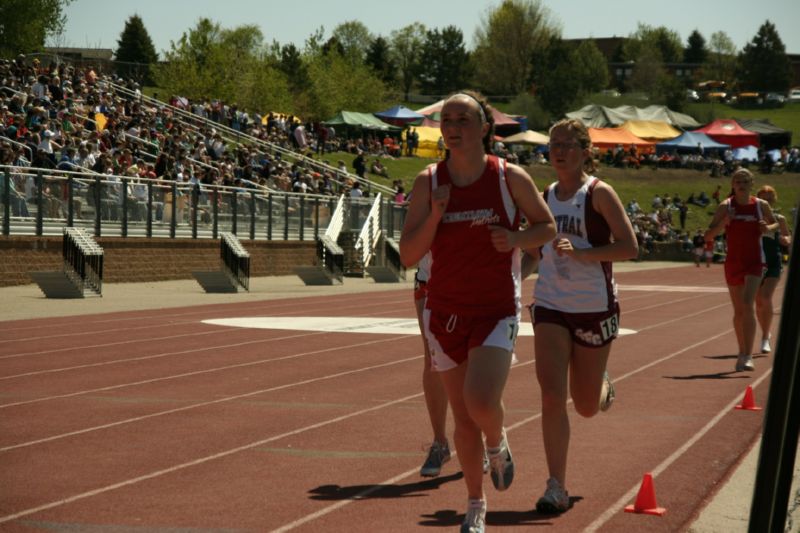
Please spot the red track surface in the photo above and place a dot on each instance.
(154, 421)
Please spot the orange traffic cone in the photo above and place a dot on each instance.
(748, 403)
(646, 499)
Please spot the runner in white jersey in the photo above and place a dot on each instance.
(575, 311)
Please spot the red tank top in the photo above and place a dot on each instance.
(744, 232)
(468, 276)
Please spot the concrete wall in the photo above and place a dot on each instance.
(139, 259)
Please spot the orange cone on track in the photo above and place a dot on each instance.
(646, 499)
(748, 402)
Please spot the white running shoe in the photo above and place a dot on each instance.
(555, 499)
(607, 393)
(502, 465)
(765, 347)
(475, 517)
(745, 362)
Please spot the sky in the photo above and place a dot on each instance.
(99, 23)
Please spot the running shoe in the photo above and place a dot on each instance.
(438, 455)
(765, 347)
(502, 465)
(555, 499)
(745, 362)
(475, 517)
(607, 393)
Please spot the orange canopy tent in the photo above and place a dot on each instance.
(605, 138)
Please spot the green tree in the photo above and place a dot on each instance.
(696, 51)
(25, 25)
(591, 67)
(721, 63)
(764, 65)
(507, 41)
(135, 51)
(667, 43)
(336, 84)
(444, 61)
(291, 63)
(406, 44)
(355, 40)
(648, 71)
(380, 60)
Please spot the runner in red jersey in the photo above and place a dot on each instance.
(465, 212)
(745, 218)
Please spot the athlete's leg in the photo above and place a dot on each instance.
(764, 310)
(586, 377)
(486, 377)
(435, 396)
(467, 434)
(553, 346)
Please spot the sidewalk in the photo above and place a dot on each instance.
(727, 512)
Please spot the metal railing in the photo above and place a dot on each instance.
(370, 233)
(109, 205)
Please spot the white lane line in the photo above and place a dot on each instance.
(671, 288)
(182, 466)
(212, 402)
(195, 373)
(626, 498)
(327, 510)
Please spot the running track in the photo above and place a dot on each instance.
(157, 421)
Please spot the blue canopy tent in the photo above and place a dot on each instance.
(399, 116)
(688, 142)
(746, 153)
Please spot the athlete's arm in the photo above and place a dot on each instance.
(623, 245)
(786, 235)
(718, 222)
(424, 213)
(541, 226)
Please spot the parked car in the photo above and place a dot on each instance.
(692, 95)
(793, 96)
(775, 98)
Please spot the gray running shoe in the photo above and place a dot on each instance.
(745, 362)
(555, 499)
(438, 455)
(502, 466)
(607, 393)
(475, 518)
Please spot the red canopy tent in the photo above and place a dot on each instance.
(500, 118)
(726, 131)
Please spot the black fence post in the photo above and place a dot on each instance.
(302, 217)
(124, 195)
(7, 204)
(286, 217)
(39, 203)
(316, 218)
(234, 210)
(70, 202)
(173, 211)
(149, 209)
(215, 198)
(98, 208)
(253, 215)
(194, 203)
(269, 217)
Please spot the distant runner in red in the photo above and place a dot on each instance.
(745, 219)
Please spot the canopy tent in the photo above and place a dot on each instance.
(605, 138)
(729, 131)
(598, 116)
(770, 136)
(399, 115)
(527, 137)
(651, 130)
(501, 120)
(359, 120)
(689, 142)
(428, 141)
(746, 153)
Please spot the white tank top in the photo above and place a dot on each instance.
(566, 284)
